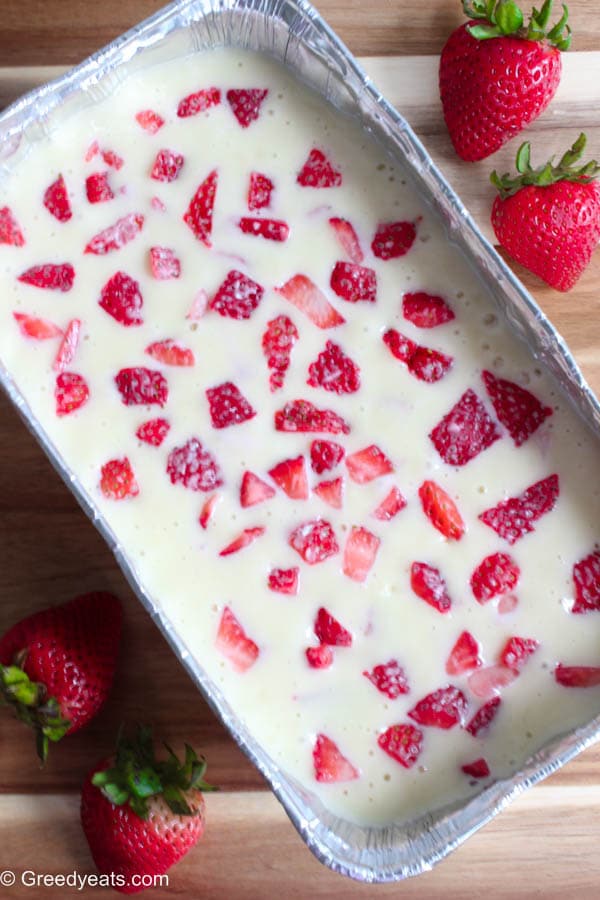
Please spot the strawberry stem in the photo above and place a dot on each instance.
(566, 170)
(503, 17)
(31, 704)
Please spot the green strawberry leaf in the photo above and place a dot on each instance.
(566, 170)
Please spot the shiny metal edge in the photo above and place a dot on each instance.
(293, 32)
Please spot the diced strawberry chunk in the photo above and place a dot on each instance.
(10, 231)
(306, 296)
(319, 172)
(360, 553)
(390, 506)
(507, 604)
(334, 371)
(254, 490)
(315, 541)
(233, 642)
(367, 464)
(477, 769)
(207, 510)
(290, 475)
(167, 166)
(465, 431)
(443, 708)
(329, 631)
(199, 214)
(517, 651)
(247, 537)
(121, 298)
(153, 432)
(304, 416)
(519, 411)
(464, 656)
(426, 310)
(50, 277)
(269, 229)
(329, 763)
(320, 657)
(389, 678)
(228, 406)
(325, 455)
(347, 239)
(353, 283)
(117, 480)
(97, 188)
(512, 519)
(577, 676)
(164, 264)
(113, 159)
(424, 363)
(193, 467)
(116, 236)
(488, 682)
(259, 191)
(331, 492)
(586, 577)
(428, 584)
(400, 346)
(277, 342)
(170, 353)
(71, 392)
(68, 346)
(238, 296)
(56, 201)
(149, 120)
(393, 239)
(199, 306)
(403, 743)
(484, 717)
(284, 581)
(199, 102)
(441, 510)
(38, 329)
(246, 103)
(139, 386)
(497, 574)
(92, 151)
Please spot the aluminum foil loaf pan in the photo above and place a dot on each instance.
(293, 33)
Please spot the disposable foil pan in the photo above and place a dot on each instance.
(294, 33)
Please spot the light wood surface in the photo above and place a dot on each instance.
(545, 845)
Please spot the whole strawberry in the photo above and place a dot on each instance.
(141, 815)
(548, 219)
(496, 76)
(57, 666)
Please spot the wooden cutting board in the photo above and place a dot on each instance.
(544, 846)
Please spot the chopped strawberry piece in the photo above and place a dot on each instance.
(97, 188)
(10, 232)
(149, 120)
(424, 363)
(238, 296)
(329, 631)
(56, 201)
(117, 480)
(306, 296)
(246, 103)
(484, 717)
(113, 159)
(254, 490)
(331, 492)
(270, 229)
(519, 411)
(71, 393)
(320, 657)
(517, 651)
(428, 584)
(50, 277)
(193, 467)
(426, 310)
(319, 172)
(390, 506)
(233, 642)
(247, 537)
(400, 346)
(464, 656)
(465, 431)
(121, 298)
(476, 769)
(330, 765)
(170, 353)
(277, 342)
(325, 455)
(367, 464)
(389, 678)
(284, 581)
(488, 682)
(199, 306)
(497, 574)
(441, 510)
(403, 743)
(199, 213)
(228, 406)
(199, 102)
(207, 510)
(353, 283)
(315, 541)
(334, 371)
(139, 386)
(167, 166)
(303, 416)
(290, 475)
(259, 191)
(347, 239)
(443, 708)
(68, 346)
(393, 239)
(360, 553)
(116, 236)
(586, 577)
(92, 151)
(577, 676)
(507, 604)
(512, 519)
(153, 432)
(164, 264)
(38, 329)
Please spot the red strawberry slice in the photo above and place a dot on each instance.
(424, 363)
(139, 386)
(10, 231)
(199, 213)
(577, 676)
(153, 432)
(315, 541)
(512, 519)
(334, 371)
(269, 229)
(367, 464)
(329, 631)
(149, 120)
(247, 537)
(393, 239)
(167, 166)
(284, 581)
(277, 342)
(517, 651)
(390, 506)
(519, 411)
(97, 188)
(403, 743)
(164, 264)
(465, 431)
(68, 346)
(484, 717)
(56, 201)
(329, 763)
(476, 769)
(199, 102)
(290, 475)
(400, 346)
(428, 584)
(306, 296)
(497, 574)
(331, 492)
(207, 510)
(193, 467)
(246, 103)
(117, 481)
(71, 392)
(304, 416)
(325, 455)
(426, 310)
(586, 577)
(233, 642)
(259, 191)
(488, 682)
(170, 353)
(121, 298)
(360, 553)
(254, 490)
(441, 510)
(464, 656)
(389, 678)
(228, 406)
(38, 329)
(347, 239)
(238, 296)
(352, 282)
(113, 159)
(443, 708)
(92, 151)
(320, 657)
(116, 236)
(50, 277)
(319, 172)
